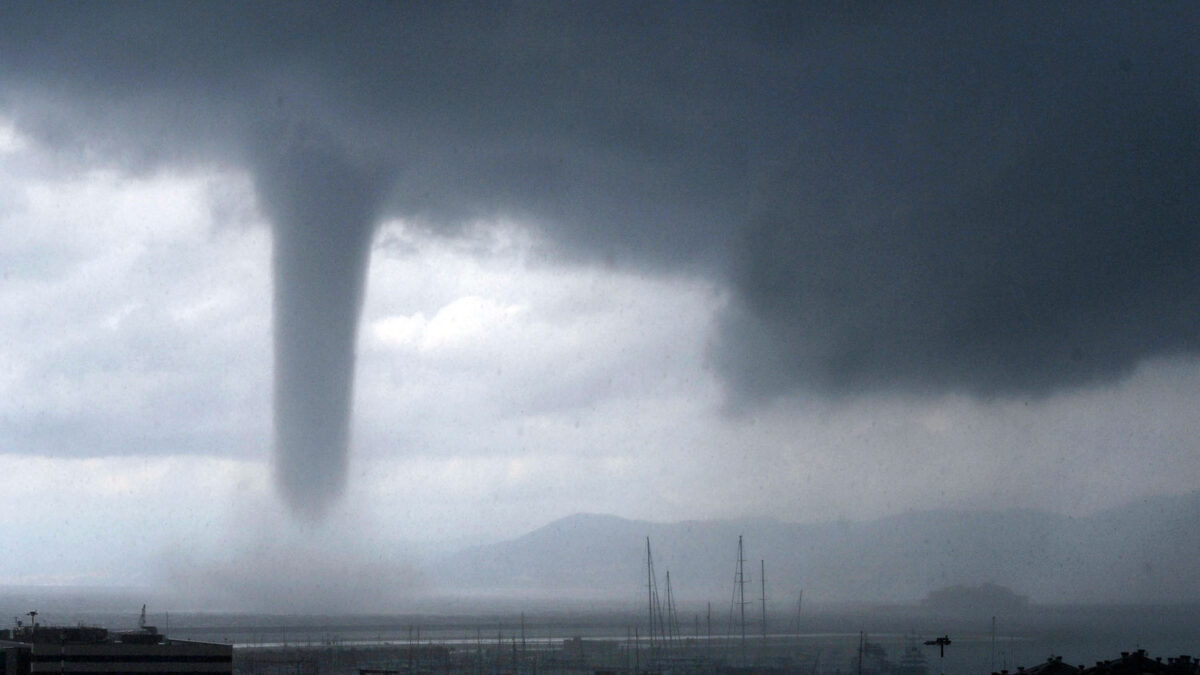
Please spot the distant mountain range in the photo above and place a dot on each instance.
(1145, 551)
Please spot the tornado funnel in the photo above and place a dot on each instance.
(323, 212)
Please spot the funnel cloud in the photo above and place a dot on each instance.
(323, 208)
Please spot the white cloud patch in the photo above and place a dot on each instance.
(470, 344)
(129, 324)
(460, 324)
(11, 140)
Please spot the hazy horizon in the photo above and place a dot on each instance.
(597, 562)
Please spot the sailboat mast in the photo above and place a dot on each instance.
(992, 662)
(799, 608)
(762, 577)
(741, 574)
(650, 591)
(670, 612)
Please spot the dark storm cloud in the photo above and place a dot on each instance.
(992, 206)
(924, 198)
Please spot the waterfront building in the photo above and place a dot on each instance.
(86, 650)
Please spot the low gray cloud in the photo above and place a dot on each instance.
(883, 257)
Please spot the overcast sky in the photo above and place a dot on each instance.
(664, 261)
